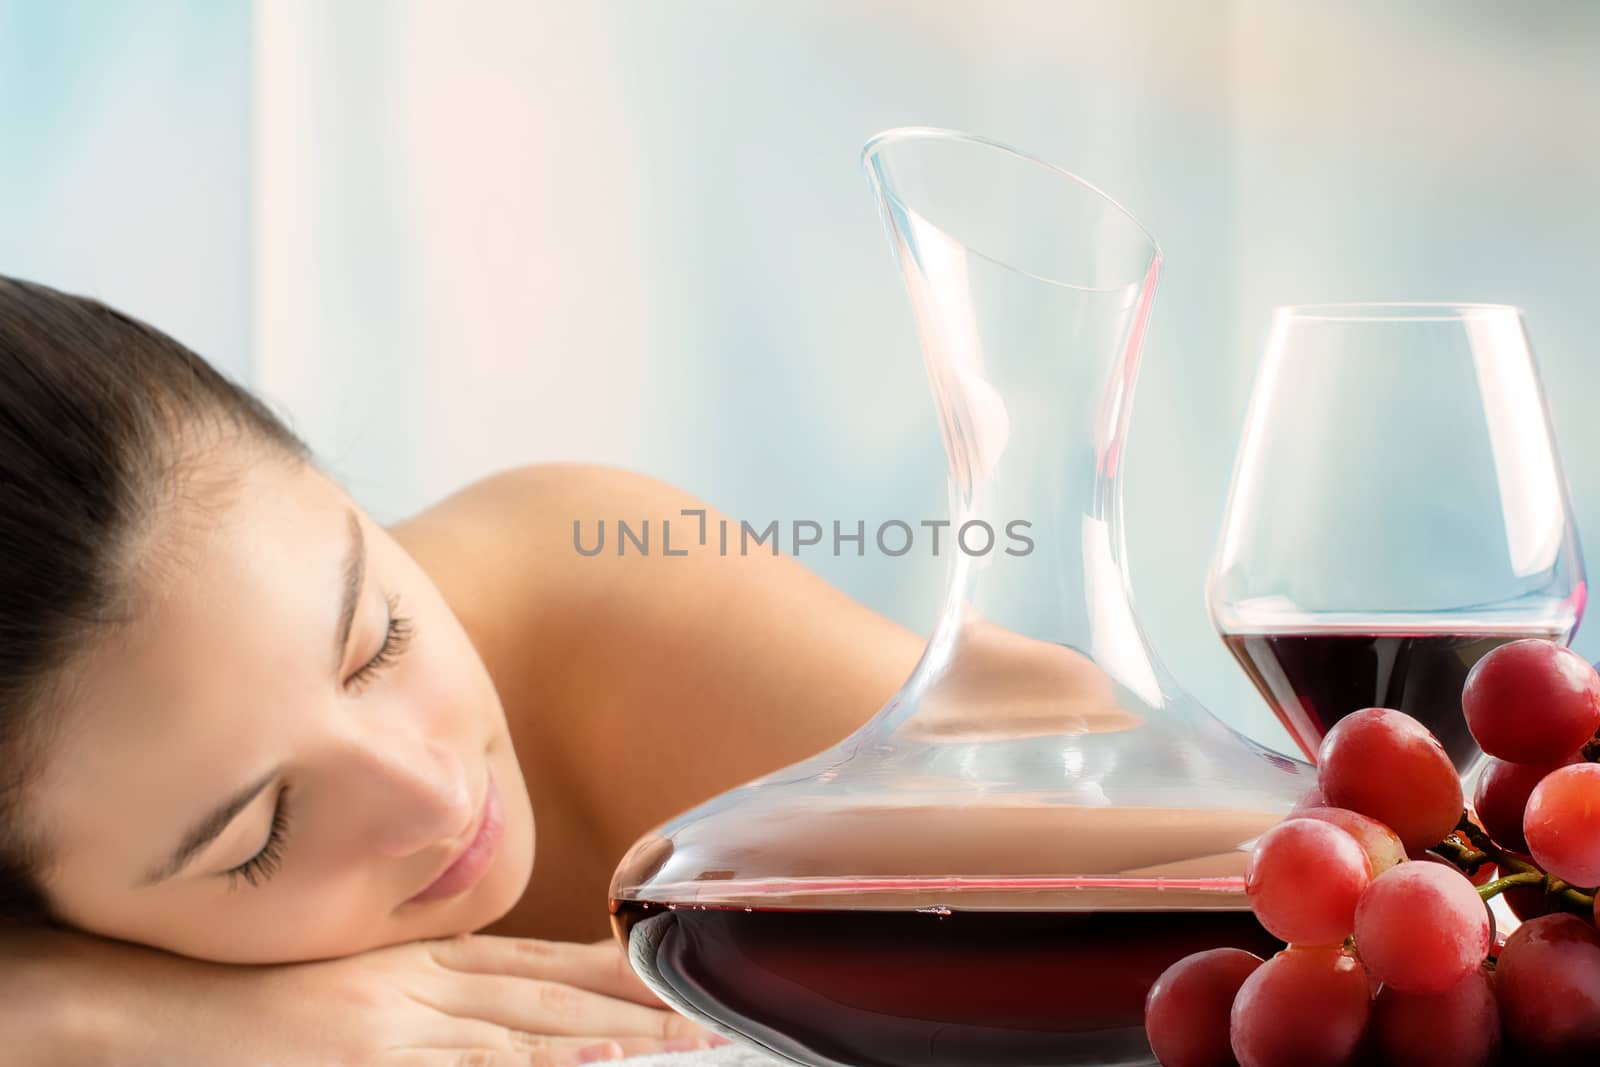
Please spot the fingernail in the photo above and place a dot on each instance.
(608, 1050)
(718, 1041)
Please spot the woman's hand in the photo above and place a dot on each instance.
(466, 1001)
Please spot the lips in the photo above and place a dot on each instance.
(473, 861)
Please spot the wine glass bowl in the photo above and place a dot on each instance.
(1397, 510)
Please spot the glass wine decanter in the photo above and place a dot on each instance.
(997, 866)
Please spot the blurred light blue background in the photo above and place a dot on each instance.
(449, 238)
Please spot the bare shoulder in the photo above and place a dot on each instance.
(502, 548)
(535, 489)
(532, 517)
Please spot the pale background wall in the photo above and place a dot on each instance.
(125, 160)
(451, 237)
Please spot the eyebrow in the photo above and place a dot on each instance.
(353, 575)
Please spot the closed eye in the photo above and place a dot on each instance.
(264, 864)
(396, 639)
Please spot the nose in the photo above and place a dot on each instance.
(417, 790)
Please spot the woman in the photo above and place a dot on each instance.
(266, 764)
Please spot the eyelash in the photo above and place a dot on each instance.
(264, 864)
(395, 642)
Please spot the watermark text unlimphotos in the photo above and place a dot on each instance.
(895, 537)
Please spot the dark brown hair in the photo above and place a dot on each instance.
(102, 422)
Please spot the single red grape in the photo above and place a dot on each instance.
(1304, 878)
(1562, 823)
(1305, 1006)
(1548, 983)
(1532, 701)
(1386, 765)
(1459, 1027)
(1422, 928)
(1502, 797)
(1381, 844)
(1186, 1012)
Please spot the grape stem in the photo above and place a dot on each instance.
(1514, 871)
(1500, 885)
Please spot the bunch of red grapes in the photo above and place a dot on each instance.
(1379, 881)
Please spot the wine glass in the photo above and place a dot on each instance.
(1398, 509)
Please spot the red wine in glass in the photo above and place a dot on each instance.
(1313, 676)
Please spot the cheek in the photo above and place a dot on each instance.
(332, 917)
(449, 680)
(303, 913)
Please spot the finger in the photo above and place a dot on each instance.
(599, 966)
(619, 979)
(469, 1057)
(455, 1057)
(622, 1046)
(476, 1034)
(647, 1046)
(544, 1007)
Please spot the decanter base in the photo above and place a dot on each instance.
(937, 987)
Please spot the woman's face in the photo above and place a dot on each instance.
(294, 752)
